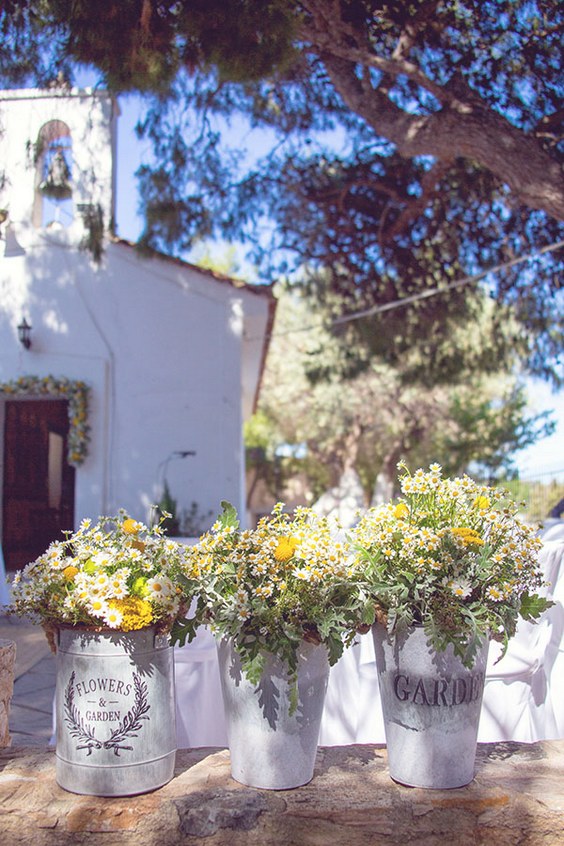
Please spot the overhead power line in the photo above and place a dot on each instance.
(423, 295)
(432, 292)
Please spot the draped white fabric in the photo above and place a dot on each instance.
(199, 704)
(523, 697)
(524, 693)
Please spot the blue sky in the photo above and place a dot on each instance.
(547, 456)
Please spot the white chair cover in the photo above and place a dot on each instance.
(554, 530)
(555, 651)
(521, 693)
(353, 712)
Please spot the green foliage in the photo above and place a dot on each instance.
(315, 395)
(495, 429)
(228, 518)
(538, 497)
(272, 588)
(404, 147)
(142, 46)
(452, 556)
(531, 607)
(184, 627)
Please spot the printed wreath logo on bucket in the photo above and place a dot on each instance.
(82, 721)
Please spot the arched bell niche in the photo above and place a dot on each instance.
(53, 204)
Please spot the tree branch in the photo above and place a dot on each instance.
(465, 128)
(415, 207)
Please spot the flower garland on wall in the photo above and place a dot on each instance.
(76, 392)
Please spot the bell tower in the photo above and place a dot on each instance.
(57, 162)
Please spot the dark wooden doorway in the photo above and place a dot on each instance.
(38, 483)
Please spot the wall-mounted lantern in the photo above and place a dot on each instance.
(24, 333)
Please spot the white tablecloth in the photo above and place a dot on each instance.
(523, 697)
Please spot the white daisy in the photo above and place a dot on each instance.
(113, 618)
(159, 587)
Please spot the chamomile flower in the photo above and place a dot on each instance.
(103, 558)
(101, 580)
(113, 618)
(97, 606)
(303, 574)
(159, 588)
(460, 588)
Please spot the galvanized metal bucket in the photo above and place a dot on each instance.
(115, 711)
(269, 746)
(431, 705)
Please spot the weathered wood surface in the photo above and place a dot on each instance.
(516, 799)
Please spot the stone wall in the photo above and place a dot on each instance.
(516, 799)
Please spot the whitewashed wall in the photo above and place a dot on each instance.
(172, 354)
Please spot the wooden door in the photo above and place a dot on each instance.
(38, 484)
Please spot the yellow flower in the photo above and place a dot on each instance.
(468, 537)
(130, 527)
(286, 547)
(70, 572)
(401, 511)
(482, 503)
(136, 613)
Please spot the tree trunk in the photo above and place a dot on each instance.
(384, 485)
(383, 489)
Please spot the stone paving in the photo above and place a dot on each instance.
(31, 711)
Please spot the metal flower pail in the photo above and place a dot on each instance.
(115, 711)
(272, 745)
(431, 704)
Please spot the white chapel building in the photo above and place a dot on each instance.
(119, 376)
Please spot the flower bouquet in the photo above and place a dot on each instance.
(450, 555)
(282, 603)
(115, 574)
(272, 587)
